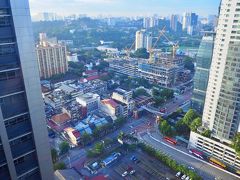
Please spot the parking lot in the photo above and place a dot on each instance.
(144, 168)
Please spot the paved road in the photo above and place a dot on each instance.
(172, 105)
(206, 171)
(78, 155)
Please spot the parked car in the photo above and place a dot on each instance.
(187, 178)
(124, 174)
(133, 158)
(178, 174)
(130, 170)
(183, 177)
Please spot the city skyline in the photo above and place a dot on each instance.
(124, 7)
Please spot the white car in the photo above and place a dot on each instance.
(187, 178)
(178, 174)
(183, 177)
(132, 172)
(124, 174)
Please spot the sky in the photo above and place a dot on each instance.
(125, 7)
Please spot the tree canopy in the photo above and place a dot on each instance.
(64, 147)
(197, 122)
(141, 53)
(188, 64)
(140, 92)
(165, 128)
(236, 143)
(188, 122)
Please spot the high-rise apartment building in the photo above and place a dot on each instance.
(203, 63)
(174, 22)
(143, 40)
(222, 106)
(194, 19)
(52, 57)
(146, 22)
(139, 39)
(186, 20)
(221, 114)
(190, 21)
(24, 147)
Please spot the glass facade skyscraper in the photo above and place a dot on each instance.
(24, 147)
(203, 63)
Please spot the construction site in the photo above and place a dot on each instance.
(163, 68)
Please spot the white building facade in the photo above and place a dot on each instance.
(222, 105)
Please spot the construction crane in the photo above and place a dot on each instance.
(151, 50)
(128, 50)
(175, 46)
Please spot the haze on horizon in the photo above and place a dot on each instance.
(125, 7)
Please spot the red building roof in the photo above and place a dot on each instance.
(76, 134)
(91, 71)
(61, 118)
(110, 102)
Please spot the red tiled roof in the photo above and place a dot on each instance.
(76, 134)
(90, 71)
(93, 78)
(61, 118)
(111, 102)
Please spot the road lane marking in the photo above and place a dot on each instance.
(191, 156)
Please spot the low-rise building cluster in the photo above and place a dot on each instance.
(75, 108)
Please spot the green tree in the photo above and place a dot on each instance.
(189, 117)
(64, 147)
(85, 139)
(207, 133)
(158, 100)
(165, 128)
(195, 124)
(99, 148)
(141, 53)
(188, 64)
(102, 66)
(121, 135)
(182, 128)
(236, 143)
(167, 93)
(119, 121)
(54, 154)
(155, 92)
(97, 132)
(140, 92)
(59, 166)
(143, 82)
